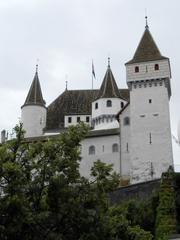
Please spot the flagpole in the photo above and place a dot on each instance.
(92, 74)
(92, 80)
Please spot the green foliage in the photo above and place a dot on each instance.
(43, 196)
(177, 190)
(166, 211)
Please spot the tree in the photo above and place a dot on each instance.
(166, 211)
(43, 196)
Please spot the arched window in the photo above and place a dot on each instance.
(126, 121)
(96, 105)
(156, 67)
(136, 69)
(115, 147)
(122, 104)
(109, 103)
(92, 150)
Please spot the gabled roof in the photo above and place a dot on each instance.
(34, 96)
(74, 102)
(147, 49)
(109, 88)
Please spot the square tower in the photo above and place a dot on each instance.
(148, 77)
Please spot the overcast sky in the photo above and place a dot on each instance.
(65, 35)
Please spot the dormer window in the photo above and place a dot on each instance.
(109, 103)
(156, 67)
(136, 69)
(96, 105)
(122, 104)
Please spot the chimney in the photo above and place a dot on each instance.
(3, 136)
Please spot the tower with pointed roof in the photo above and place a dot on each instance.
(33, 111)
(107, 103)
(148, 77)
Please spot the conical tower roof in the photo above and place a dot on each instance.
(147, 49)
(34, 96)
(109, 88)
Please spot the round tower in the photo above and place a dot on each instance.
(33, 112)
(108, 103)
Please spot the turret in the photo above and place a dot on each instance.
(33, 111)
(108, 102)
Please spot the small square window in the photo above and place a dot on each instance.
(150, 100)
(78, 119)
(69, 119)
(87, 119)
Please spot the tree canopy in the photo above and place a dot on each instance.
(43, 195)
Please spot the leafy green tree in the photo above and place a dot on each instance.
(43, 196)
(166, 211)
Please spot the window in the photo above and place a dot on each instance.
(126, 121)
(109, 103)
(150, 100)
(150, 138)
(127, 147)
(156, 67)
(103, 148)
(115, 147)
(78, 119)
(96, 105)
(69, 119)
(136, 69)
(122, 104)
(92, 150)
(87, 119)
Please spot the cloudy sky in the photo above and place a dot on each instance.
(65, 35)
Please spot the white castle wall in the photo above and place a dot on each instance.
(103, 109)
(125, 144)
(33, 118)
(150, 132)
(147, 71)
(103, 151)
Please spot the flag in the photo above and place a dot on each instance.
(93, 72)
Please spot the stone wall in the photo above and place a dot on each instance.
(136, 191)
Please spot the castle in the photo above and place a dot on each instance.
(130, 128)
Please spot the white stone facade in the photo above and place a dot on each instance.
(102, 114)
(103, 146)
(151, 147)
(125, 147)
(70, 120)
